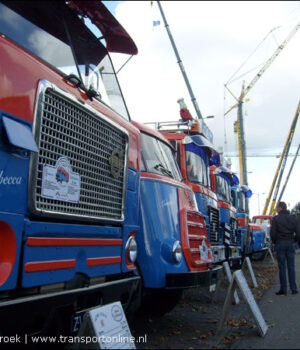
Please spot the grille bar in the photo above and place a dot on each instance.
(65, 128)
(235, 234)
(214, 224)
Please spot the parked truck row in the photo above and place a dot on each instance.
(94, 207)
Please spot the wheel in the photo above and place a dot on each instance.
(259, 256)
(157, 302)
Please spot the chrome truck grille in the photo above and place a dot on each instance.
(235, 235)
(66, 128)
(214, 224)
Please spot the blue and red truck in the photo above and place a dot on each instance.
(69, 165)
(195, 153)
(174, 252)
(253, 235)
(221, 181)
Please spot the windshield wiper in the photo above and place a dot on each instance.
(163, 170)
(74, 80)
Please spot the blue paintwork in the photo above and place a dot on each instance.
(80, 253)
(14, 170)
(160, 228)
(19, 134)
(257, 237)
(257, 241)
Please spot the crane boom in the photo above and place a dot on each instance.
(269, 61)
(244, 92)
(280, 168)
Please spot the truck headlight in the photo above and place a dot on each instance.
(177, 251)
(131, 249)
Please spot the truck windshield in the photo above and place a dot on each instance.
(241, 201)
(158, 158)
(58, 35)
(196, 169)
(223, 189)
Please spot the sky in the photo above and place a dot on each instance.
(214, 39)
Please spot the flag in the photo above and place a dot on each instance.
(156, 23)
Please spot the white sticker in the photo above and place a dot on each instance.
(60, 183)
(203, 250)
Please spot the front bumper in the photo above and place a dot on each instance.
(192, 279)
(234, 252)
(218, 253)
(31, 314)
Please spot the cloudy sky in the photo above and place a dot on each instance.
(214, 39)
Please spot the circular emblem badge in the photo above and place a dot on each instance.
(116, 162)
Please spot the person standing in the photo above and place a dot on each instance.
(285, 231)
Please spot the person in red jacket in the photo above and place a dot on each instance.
(285, 232)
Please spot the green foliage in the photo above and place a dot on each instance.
(296, 210)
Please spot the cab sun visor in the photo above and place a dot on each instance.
(116, 37)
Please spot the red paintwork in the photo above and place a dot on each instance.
(49, 265)
(270, 217)
(144, 128)
(116, 37)
(242, 222)
(20, 73)
(225, 205)
(255, 227)
(60, 242)
(8, 251)
(186, 209)
(103, 261)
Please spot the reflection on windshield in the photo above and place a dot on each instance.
(223, 189)
(59, 37)
(197, 171)
(241, 201)
(158, 158)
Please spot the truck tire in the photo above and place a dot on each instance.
(259, 256)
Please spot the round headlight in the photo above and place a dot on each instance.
(177, 251)
(131, 249)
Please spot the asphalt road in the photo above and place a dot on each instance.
(282, 314)
(192, 324)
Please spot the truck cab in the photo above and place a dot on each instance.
(222, 179)
(194, 154)
(239, 194)
(265, 222)
(252, 234)
(174, 252)
(69, 167)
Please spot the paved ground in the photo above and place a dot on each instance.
(193, 323)
(282, 314)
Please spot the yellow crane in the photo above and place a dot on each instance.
(281, 166)
(239, 124)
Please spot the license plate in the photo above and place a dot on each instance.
(77, 322)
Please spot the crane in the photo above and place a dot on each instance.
(281, 165)
(239, 126)
(179, 61)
